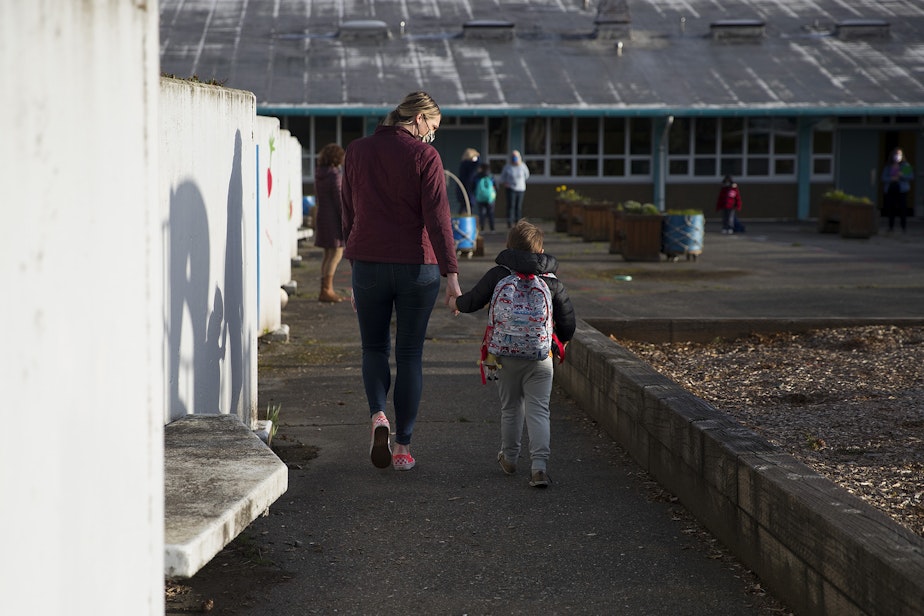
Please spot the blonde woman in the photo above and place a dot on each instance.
(398, 233)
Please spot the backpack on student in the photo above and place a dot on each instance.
(520, 321)
(485, 191)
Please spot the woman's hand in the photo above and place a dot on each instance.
(452, 291)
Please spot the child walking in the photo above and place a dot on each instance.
(524, 385)
(485, 196)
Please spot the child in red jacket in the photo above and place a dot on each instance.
(729, 203)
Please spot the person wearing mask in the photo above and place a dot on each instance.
(398, 234)
(896, 180)
(513, 177)
(328, 227)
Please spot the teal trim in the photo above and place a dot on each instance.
(659, 131)
(370, 124)
(532, 112)
(517, 132)
(804, 168)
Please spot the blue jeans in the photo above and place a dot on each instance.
(514, 206)
(411, 290)
(486, 214)
(728, 220)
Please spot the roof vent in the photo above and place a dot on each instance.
(495, 29)
(366, 29)
(852, 29)
(737, 30)
(613, 20)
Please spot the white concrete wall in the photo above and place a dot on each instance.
(294, 177)
(81, 464)
(269, 219)
(209, 234)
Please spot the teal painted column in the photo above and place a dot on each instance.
(517, 134)
(660, 127)
(369, 125)
(804, 169)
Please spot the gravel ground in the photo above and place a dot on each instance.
(849, 402)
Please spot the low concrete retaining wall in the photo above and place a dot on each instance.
(816, 546)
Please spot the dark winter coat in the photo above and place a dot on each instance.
(526, 263)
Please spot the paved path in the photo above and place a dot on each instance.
(457, 536)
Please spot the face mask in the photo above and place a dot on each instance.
(897, 158)
(514, 159)
(430, 137)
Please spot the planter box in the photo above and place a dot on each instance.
(617, 231)
(641, 237)
(858, 220)
(562, 211)
(829, 215)
(853, 219)
(576, 218)
(596, 227)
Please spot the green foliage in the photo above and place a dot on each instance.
(569, 194)
(195, 79)
(272, 414)
(840, 195)
(690, 212)
(635, 208)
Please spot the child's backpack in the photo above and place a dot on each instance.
(485, 191)
(520, 323)
(520, 317)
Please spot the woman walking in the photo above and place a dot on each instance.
(398, 233)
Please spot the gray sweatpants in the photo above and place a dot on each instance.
(524, 387)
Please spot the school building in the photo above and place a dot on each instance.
(650, 100)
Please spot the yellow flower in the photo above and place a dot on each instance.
(568, 194)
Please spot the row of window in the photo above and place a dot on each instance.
(566, 148)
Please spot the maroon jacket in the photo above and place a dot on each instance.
(395, 208)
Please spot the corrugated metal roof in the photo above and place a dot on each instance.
(292, 55)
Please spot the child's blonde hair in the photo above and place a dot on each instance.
(525, 236)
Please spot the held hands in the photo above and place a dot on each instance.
(452, 292)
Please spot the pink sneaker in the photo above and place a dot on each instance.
(403, 461)
(380, 449)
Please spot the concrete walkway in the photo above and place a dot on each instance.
(457, 536)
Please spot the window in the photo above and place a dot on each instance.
(709, 148)
(823, 154)
(315, 132)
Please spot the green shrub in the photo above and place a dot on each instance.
(840, 195)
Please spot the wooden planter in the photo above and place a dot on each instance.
(562, 211)
(829, 215)
(641, 237)
(858, 219)
(597, 221)
(617, 231)
(853, 219)
(576, 219)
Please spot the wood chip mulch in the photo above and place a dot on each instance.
(848, 403)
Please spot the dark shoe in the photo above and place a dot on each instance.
(539, 479)
(380, 449)
(508, 467)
